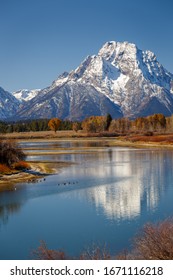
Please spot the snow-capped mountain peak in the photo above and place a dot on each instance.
(25, 94)
(121, 80)
(128, 76)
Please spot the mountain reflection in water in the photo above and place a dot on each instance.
(108, 191)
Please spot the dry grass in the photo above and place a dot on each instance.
(162, 139)
(52, 135)
(43, 134)
(167, 138)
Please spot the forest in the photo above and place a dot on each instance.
(156, 123)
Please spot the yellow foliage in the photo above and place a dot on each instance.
(54, 124)
(95, 124)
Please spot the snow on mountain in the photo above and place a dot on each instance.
(121, 80)
(25, 94)
(71, 101)
(129, 77)
(8, 104)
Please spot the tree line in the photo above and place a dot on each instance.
(31, 125)
(148, 125)
(94, 124)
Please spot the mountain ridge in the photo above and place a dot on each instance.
(121, 80)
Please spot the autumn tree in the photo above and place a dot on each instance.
(54, 124)
(156, 122)
(169, 124)
(76, 126)
(95, 124)
(120, 125)
(141, 124)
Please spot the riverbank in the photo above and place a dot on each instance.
(142, 141)
(39, 171)
(114, 139)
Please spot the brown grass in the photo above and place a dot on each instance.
(167, 138)
(43, 135)
(52, 135)
(48, 135)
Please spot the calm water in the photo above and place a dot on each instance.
(104, 198)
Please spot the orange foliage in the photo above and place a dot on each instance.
(4, 169)
(54, 124)
(95, 124)
(21, 165)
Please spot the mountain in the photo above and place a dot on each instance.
(73, 101)
(121, 80)
(25, 94)
(143, 87)
(9, 105)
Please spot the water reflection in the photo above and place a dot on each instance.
(139, 178)
(7, 210)
(65, 144)
(107, 190)
(120, 181)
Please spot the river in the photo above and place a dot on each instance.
(103, 197)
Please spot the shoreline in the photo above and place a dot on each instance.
(163, 140)
(142, 144)
(39, 170)
(36, 172)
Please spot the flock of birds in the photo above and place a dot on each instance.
(34, 180)
(68, 183)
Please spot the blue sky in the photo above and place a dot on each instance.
(40, 39)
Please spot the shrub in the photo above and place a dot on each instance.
(10, 152)
(148, 133)
(96, 253)
(155, 242)
(4, 169)
(43, 253)
(22, 165)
